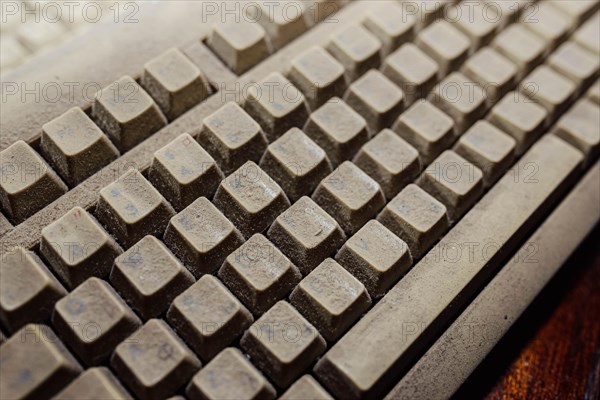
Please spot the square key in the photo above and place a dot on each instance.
(306, 388)
(392, 25)
(478, 21)
(259, 274)
(331, 299)
(77, 247)
(93, 319)
(510, 11)
(283, 21)
(92, 384)
(149, 277)
(356, 49)
(208, 317)
(579, 127)
(549, 23)
(445, 44)
(415, 217)
(154, 362)
(350, 196)
(576, 10)
(132, 208)
(588, 36)
(576, 63)
(76, 146)
(282, 344)
(521, 46)
(202, 237)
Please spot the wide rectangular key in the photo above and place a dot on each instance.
(370, 356)
(93, 384)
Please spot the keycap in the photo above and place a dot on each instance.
(182, 171)
(322, 10)
(54, 366)
(588, 35)
(426, 11)
(77, 247)
(282, 344)
(283, 22)
(412, 70)
(576, 10)
(154, 362)
(579, 127)
(27, 183)
(259, 274)
(208, 317)
(478, 21)
(376, 98)
(426, 128)
(593, 94)
(306, 234)
(415, 217)
(230, 376)
(296, 163)
(306, 388)
(392, 26)
(126, 113)
(575, 63)
(318, 75)
(521, 46)
(92, 384)
(29, 290)
(389, 160)
(549, 23)
(174, 82)
(489, 149)
(276, 105)
(149, 277)
(350, 196)
(356, 49)
(445, 44)
(201, 237)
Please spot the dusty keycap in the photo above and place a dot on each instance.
(427, 128)
(331, 299)
(415, 217)
(76, 146)
(593, 94)
(579, 127)
(202, 237)
(426, 11)
(27, 183)
(154, 362)
(357, 49)
(28, 290)
(489, 149)
(282, 344)
(392, 26)
(93, 319)
(390, 160)
(306, 234)
(588, 36)
(35, 364)
(77, 247)
(477, 21)
(259, 274)
(149, 277)
(306, 388)
(377, 99)
(230, 376)
(93, 384)
(127, 113)
(549, 23)
(208, 317)
(132, 208)
(296, 163)
(283, 21)
(576, 63)
(521, 46)
(510, 11)
(576, 10)
(445, 44)
(350, 196)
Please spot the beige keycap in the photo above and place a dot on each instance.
(306, 234)
(231, 136)
(202, 237)
(576, 63)
(322, 10)
(154, 362)
(549, 23)
(356, 49)
(510, 11)
(127, 113)
(390, 160)
(93, 384)
(445, 44)
(296, 163)
(521, 46)
(208, 317)
(306, 388)
(392, 26)
(579, 127)
(77, 247)
(283, 21)
(29, 290)
(27, 183)
(53, 367)
(276, 105)
(251, 199)
(415, 217)
(350, 196)
(588, 36)
(427, 128)
(318, 75)
(593, 94)
(412, 70)
(377, 99)
(132, 208)
(259, 274)
(576, 10)
(149, 277)
(489, 149)
(477, 21)
(76, 147)
(282, 344)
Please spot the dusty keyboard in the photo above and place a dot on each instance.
(290, 198)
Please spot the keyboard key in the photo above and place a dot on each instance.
(478, 21)
(445, 44)
(356, 49)
(427, 11)
(259, 274)
(588, 36)
(575, 63)
(392, 26)
(492, 71)
(593, 94)
(208, 317)
(282, 344)
(322, 10)
(522, 47)
(154, 362)
(283, 21)
(92, 384)
(549, 23)
(579, 127)
(306, 388)
(578, 11)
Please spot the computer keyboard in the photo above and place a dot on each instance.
(303, 199)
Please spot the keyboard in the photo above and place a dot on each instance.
(287, 199)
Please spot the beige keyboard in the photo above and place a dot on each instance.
(293, 199)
